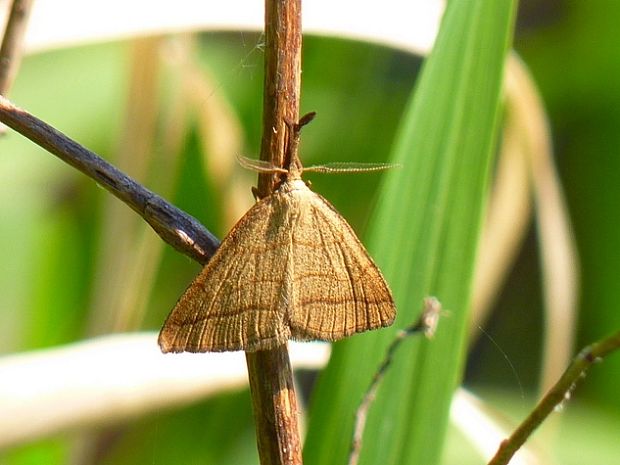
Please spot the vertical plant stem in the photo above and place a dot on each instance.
(282, 85)
(11, 49)
(271, 380)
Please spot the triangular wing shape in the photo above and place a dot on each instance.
(236, 302)
(337, 288)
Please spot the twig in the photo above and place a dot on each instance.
(426, 323)
(282, 82)
(11, 49)
(271, 381)
(174, 226)
(559, 393)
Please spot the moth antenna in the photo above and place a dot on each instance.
(351, 167)
(260, 166)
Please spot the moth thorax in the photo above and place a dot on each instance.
(291, 185)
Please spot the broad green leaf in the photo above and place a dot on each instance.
(424, 236)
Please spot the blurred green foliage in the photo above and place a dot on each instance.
(571, 50)
(575, 58)
(424, 235)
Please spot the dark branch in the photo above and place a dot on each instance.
(177, 228)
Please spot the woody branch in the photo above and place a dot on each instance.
(174, 226)
(269, 371)
(12, 43)
(556, 395)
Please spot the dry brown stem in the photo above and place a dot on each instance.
(12, 43)
(269, 371)
(427, 324)
(560, 392)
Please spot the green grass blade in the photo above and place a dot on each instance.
(424, 236)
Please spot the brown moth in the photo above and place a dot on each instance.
(291, 268)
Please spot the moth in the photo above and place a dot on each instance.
(291, 268)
